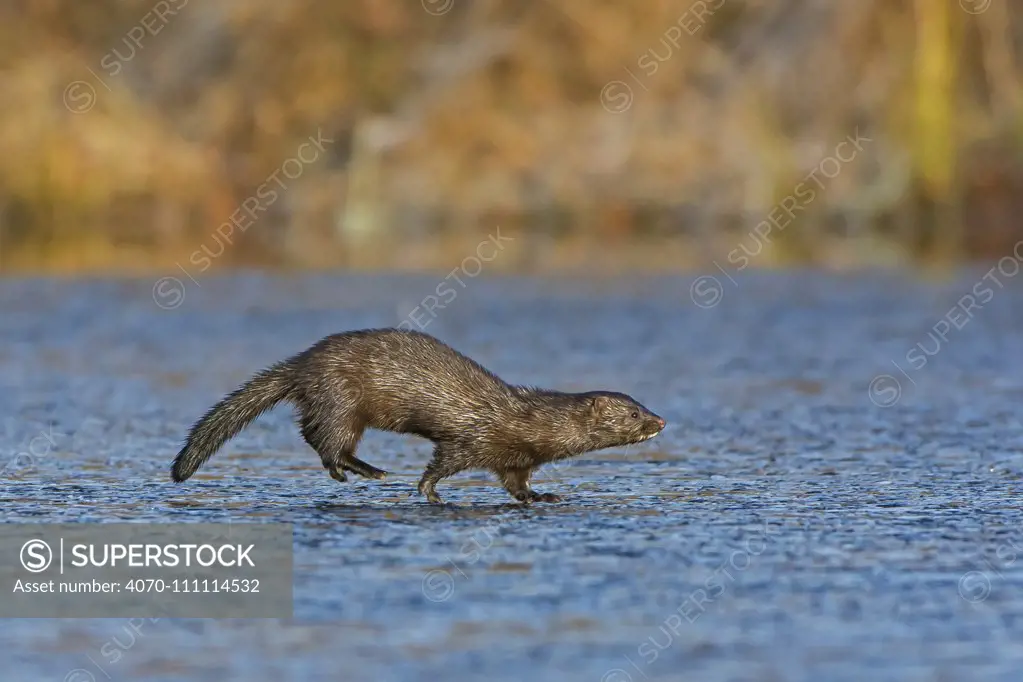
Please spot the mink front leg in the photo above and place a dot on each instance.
(448, 460)
(516, 482)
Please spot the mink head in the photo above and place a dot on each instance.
(616, 419)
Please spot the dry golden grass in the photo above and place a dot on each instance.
(500, 112)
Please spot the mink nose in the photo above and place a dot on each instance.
(660, 422)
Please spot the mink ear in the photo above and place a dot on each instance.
(599, 404)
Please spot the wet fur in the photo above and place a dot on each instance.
(410, 382)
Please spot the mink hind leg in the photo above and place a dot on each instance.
(516, 482)
(335, 441)
(364, 469)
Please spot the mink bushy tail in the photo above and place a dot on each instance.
(224, 420)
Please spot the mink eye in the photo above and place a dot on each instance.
(635, 415)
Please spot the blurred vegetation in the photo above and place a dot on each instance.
(131, 131)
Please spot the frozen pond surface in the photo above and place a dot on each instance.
(784, 527)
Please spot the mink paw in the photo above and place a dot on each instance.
(430, 493)
(376, 474)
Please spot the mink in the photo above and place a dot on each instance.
(406, 381)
